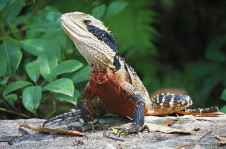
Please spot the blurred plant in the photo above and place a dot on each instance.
(34, 66)
(204, 79)
(223, 97)
(211, 73)
(31, 52)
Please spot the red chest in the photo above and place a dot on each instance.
(106, 85)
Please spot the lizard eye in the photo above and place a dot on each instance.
(86, 22)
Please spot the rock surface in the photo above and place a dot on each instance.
(10, 129)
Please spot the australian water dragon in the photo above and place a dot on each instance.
(114, 85)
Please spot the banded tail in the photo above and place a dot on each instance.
(211, 111)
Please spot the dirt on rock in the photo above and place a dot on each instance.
(200, 128)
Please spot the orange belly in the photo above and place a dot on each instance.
(106, 85)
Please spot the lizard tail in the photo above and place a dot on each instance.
(173, 100)
(166, 103)
(211, 111)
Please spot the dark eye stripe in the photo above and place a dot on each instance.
(103, 36)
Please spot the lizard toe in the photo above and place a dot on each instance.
(132, 130)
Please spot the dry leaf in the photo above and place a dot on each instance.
(117, 132)
(166, 129)
(170, 122)
(222, 140)
(158, 128)
(41, 129)
(195, 144)
(202, 114)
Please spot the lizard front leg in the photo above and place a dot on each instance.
(89, 109)
(132, 94)
(86, 110)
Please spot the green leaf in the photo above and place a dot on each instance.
(3, 3)
(46, 20)
(203, 69)
(214, 52)
(2, 65)
(14, 86)
(65, 67)
(14, 9)
(69, 99)
(16, 35)
(114, 8)
(82, 75)
(11, 98)
(4, 81)
(22, 18)
(211, 82)
(37, 46)
(11, 51)
(223, 95)
(47, 63)
(60, 38)
(33, 70)
(98, 11)
(64, 86)
(31, 98)
(223, 109)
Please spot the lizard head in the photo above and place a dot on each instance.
(91, 37)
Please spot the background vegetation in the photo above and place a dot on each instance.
(170, 43)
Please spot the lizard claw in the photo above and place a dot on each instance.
(133, 129)
(72, 113)
(88, 126)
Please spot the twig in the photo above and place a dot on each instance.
(184, 145)
(205, 135)
(1, 98)
(113, 138)
(16, 113)
(10, 141)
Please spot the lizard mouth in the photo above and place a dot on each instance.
(71, 28)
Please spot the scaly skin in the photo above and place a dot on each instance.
(113, 86)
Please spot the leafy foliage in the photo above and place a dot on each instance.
(223, 96)
(34, 76)
(35, 42)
